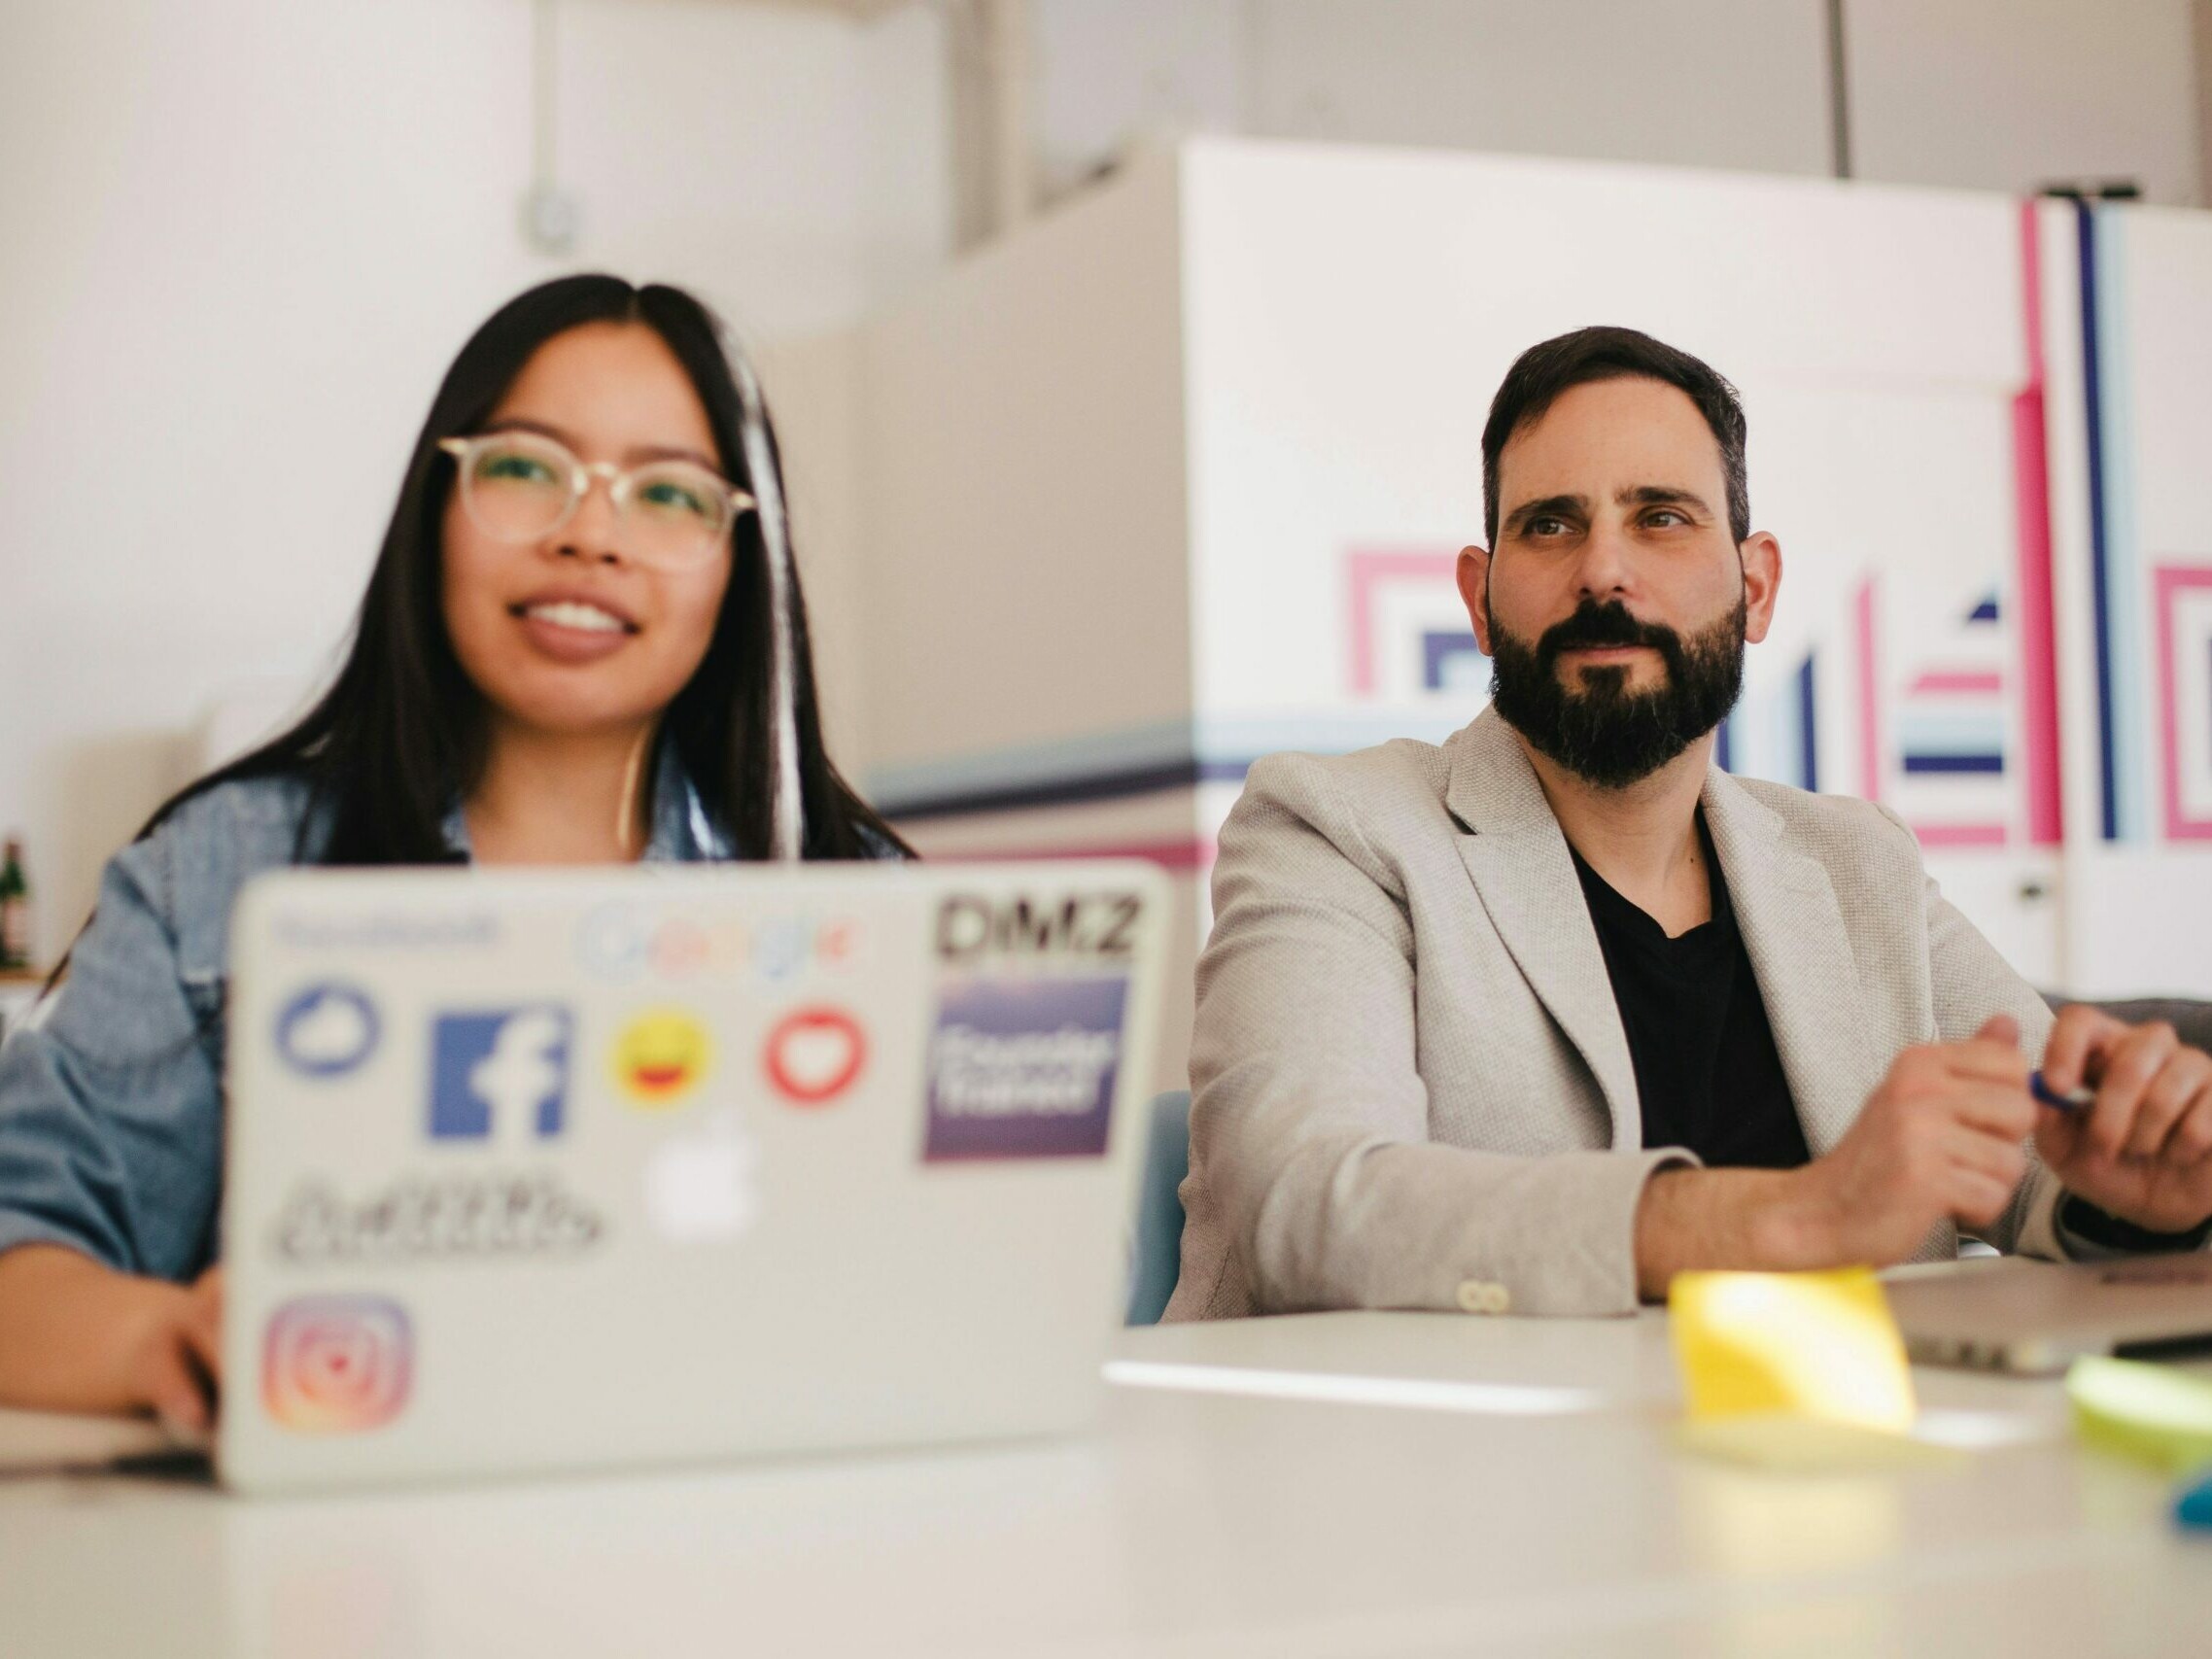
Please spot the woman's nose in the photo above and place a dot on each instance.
(594, 529)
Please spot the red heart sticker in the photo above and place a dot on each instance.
(814, 1054)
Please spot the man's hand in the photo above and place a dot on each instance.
(1940, 1139)
(2143, 1150)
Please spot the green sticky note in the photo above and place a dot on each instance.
(2157, 1413)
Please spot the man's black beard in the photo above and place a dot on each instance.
(1604, 733)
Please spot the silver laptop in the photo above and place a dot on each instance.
(2012, 1314)
(535, 1171)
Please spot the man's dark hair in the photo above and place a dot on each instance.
(1541, 373)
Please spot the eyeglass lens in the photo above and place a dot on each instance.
(518, 487)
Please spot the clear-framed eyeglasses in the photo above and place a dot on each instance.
(523, 486)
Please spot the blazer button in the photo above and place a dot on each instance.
(1483, 1296)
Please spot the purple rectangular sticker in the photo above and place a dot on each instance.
(1024, 1067)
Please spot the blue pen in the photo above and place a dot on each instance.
(2072, 1100)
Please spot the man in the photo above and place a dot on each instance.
(1532, 1021)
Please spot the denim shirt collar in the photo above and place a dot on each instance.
(683, 831)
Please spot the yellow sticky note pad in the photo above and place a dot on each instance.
(1807, 1445)
(1816, 1346)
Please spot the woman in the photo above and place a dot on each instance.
(582, 643)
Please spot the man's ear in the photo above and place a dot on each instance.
(1762, 582)
(1473, 575)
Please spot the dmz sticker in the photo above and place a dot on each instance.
(1024, 1067)
(501, 1074)
(327, 1030)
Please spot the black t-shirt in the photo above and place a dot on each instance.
(1705, 1068)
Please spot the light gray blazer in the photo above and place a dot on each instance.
(1411, 1085)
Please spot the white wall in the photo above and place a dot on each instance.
(243, 239)
(2009, 94)
(1999, 94)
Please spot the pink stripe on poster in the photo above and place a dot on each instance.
(2170, 582)
(1196, 854)
(2031, 498)
(1368, 572)
(1869, 699)
(1946, 682)
(1960, 835)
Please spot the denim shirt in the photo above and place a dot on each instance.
(111, 1092)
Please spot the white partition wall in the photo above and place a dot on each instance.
(1349, 315)
(2129, 325)
(1177, 477)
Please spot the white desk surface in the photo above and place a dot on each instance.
(1192, 1523)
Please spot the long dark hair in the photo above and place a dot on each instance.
(400, 735)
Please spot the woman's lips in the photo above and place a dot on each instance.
(573, 631)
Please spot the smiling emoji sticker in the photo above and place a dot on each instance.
(661, 1056)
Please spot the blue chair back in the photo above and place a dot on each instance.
(1158, 1255)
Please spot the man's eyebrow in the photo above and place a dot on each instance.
(634, 454)
(1663, 495)
(1548, 507)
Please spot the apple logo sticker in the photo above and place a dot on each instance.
(702, 1185)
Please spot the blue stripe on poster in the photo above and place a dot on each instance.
(2123, 549)
(1952, 731)
(1090, 766)
(1808, 726)
(2100, 579)
(1916, 761)
(2114, 556)
(1451, 661)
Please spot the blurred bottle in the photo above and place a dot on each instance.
(15, 908)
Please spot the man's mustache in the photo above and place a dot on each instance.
(1608, 624)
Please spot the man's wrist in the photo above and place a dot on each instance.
(1797, 1227)
(1758, 1219)
(2079, 1219)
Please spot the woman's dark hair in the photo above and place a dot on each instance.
(1544, 373)
(400, 733)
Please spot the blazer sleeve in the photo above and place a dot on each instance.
(1970, 982)
(109, 1096)
(1309, 1119)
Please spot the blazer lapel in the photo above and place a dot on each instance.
(1785, 909)
(1517, 858)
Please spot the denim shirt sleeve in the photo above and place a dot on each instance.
(110, 1099)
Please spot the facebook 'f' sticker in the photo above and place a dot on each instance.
(501, 1073)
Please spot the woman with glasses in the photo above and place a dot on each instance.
(582, 643)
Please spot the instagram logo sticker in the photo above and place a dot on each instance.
(336, 1365)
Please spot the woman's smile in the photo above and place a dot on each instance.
(572, 627)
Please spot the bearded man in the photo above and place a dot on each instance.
(1532, 1020)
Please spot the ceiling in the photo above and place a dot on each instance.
(863, 9)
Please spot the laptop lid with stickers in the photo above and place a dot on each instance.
(544, 1170)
